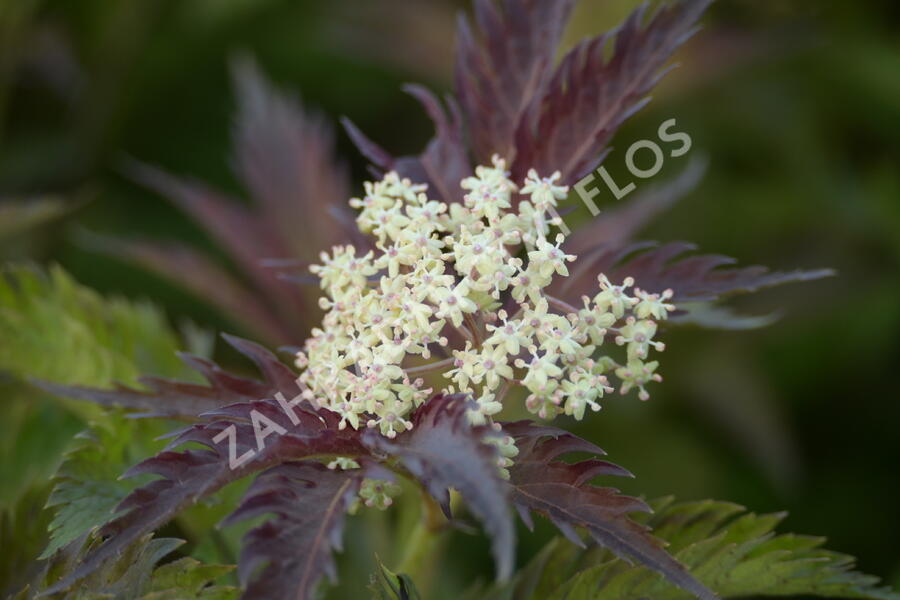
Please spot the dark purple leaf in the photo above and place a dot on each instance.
(618, 225)
(309, 503)
(190, 475)
(182, 400)
(244, 234)
(442, 165)
(199, 274)
(562, 492)
(503, 66)
(590, 95)
(285, 157)
(444, 451)
(696, 277)
(444, 161)
(248, 238)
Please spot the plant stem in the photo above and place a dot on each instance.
(474, 328)
(560, 304)
(430, 367)
(424, 538)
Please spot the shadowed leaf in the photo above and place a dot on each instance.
(196, 272)
(503, 65)
(736, 554)
(443, 163)
(590, 96)
(190, 475)
(285, 156)
(309, 502)
(387, 585)
(19, 215)
(693, 278)
(562, 492)
(444, 451)
(618, 225)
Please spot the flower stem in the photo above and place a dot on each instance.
(474, 328)
(430, 367)
(425, 537)
(560, 304)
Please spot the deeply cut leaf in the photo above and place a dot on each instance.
(309, 502)
(191, 475)
(443, 163)
(562, 492)
(503, 65)
(693, 278)
(387, 585)
(55, 329)
(590, 96)
(734, 553)
(444, 451)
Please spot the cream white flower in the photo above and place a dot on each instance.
(454, 303)
(653, 305)
(443, 281)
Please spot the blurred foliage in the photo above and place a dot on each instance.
(796, 104)
(735, 553)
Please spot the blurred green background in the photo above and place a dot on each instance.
(796, 103)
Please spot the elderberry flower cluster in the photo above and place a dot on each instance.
(460, 290)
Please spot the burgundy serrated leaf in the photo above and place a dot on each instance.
(445, 451)
(309, 503)
(617, 225)
(235, 449)
(590, 96)
(693, 277)
(183, 400)
(443, 163)
(284, 155)
(562, 492)
(199, 274)
(502, 65)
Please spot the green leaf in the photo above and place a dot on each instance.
(127, 576)
(55, 329)
(23, 532)
(387, 585)
(34, 434)
(189, 578)
(134, 574)
(734, 553)
(88, 487)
